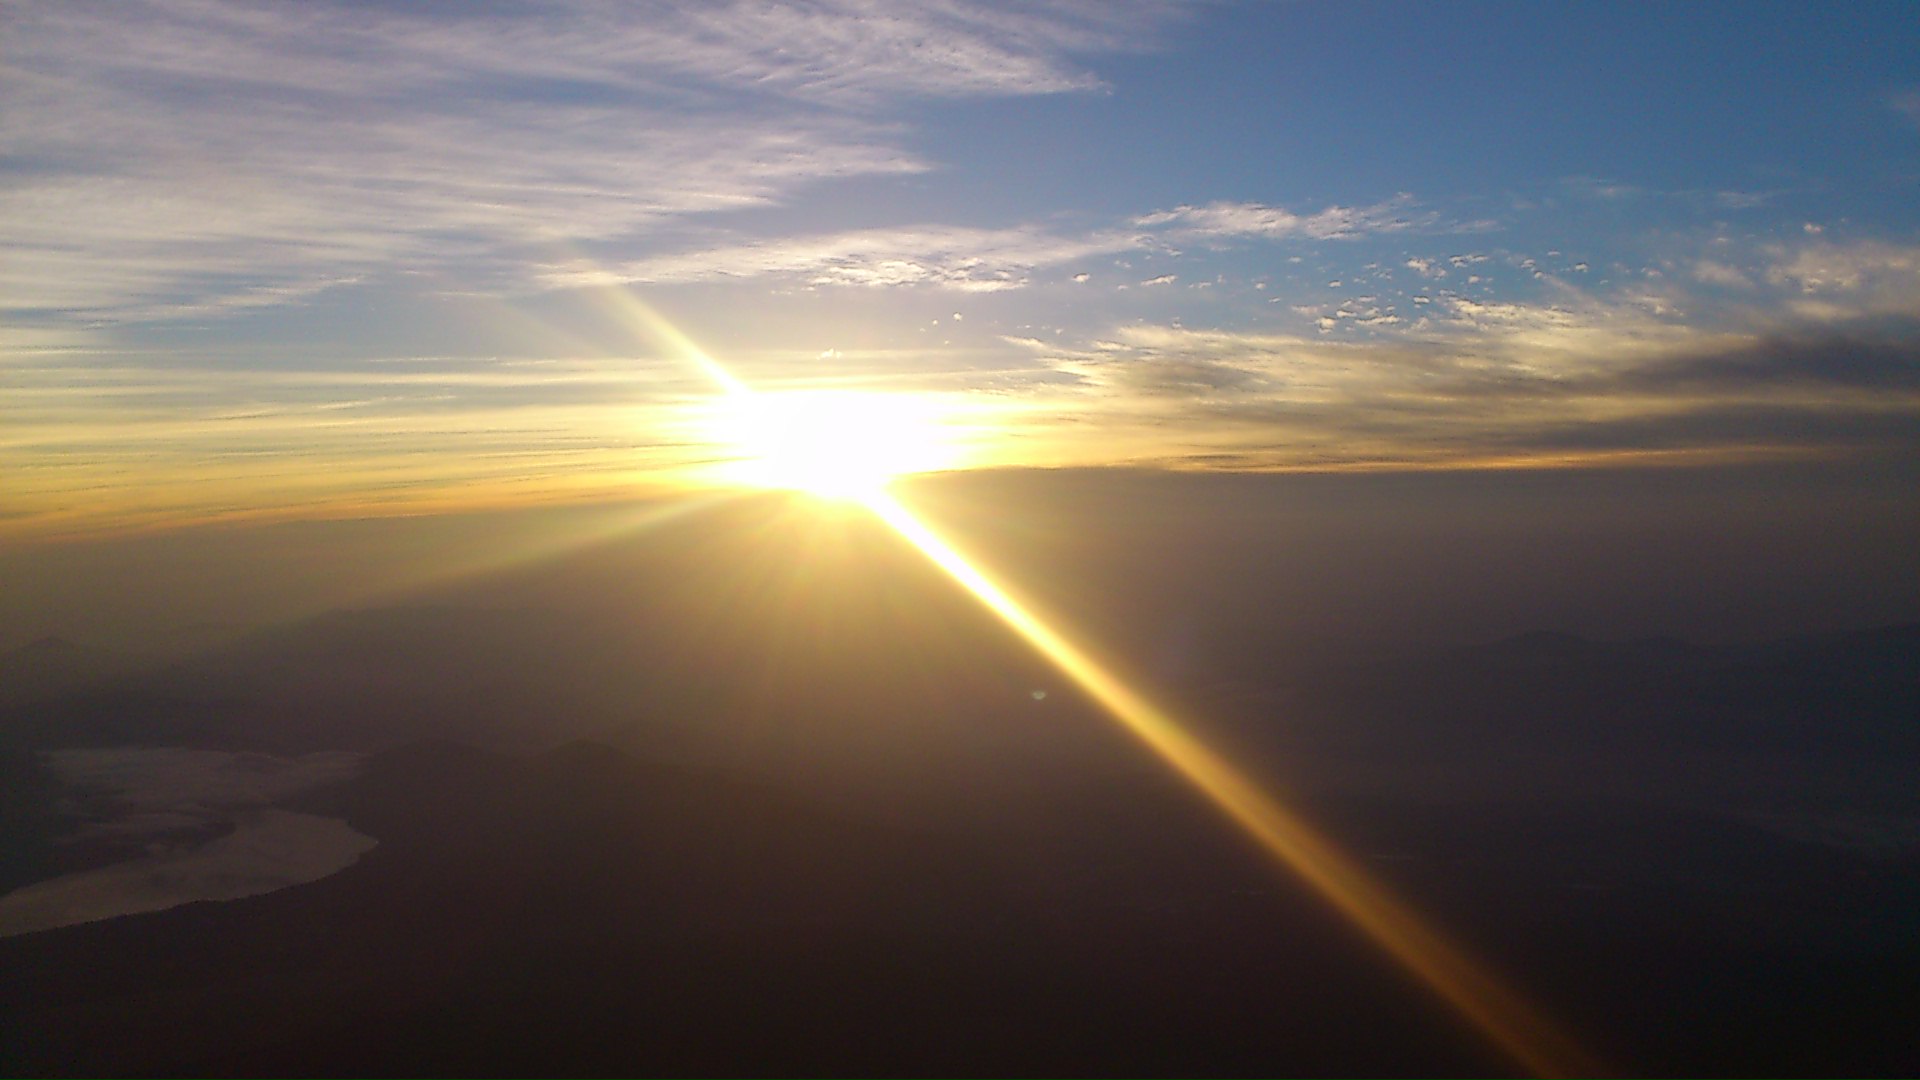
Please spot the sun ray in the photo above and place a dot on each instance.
(1506, 1019)
(651, 322)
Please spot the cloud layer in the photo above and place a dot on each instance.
(1581, 378)
(339, 257)
(176, 157)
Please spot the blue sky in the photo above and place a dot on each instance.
(321, 258)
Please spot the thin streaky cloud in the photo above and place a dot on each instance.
(1484, 380)
(978, 259)
(1232, 219)
(966, 259)
(176, 148)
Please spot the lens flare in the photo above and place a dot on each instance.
(843, 444)
(1509, 1021)
(1504, 1017)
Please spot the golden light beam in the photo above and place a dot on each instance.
(630, 306)
(1503, 1016)
(1507, 1019)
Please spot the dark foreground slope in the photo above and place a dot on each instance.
(1706, 859)
(582, 912)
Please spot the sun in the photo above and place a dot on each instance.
(839, 444)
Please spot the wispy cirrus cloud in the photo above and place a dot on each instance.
(983, 260)
(1234, 219)
(1279, 402)
(1634, 371)
(177, 156)
(859, 51)
(964, 259)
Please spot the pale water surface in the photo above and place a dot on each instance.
(153, 792)
(269, 849)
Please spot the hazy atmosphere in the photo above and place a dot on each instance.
(843, 538)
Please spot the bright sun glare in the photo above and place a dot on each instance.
(847, 444)
(842, 444)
